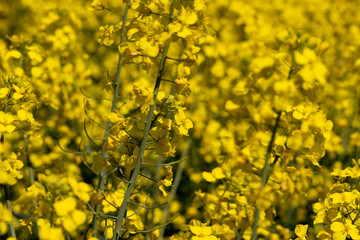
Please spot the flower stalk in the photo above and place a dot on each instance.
(135, 173)
(265, 177)
(175, 187)
(103, 174)
(8, 205)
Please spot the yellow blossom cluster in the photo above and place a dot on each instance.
(174, 119)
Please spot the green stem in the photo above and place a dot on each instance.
(175, 187)
(103, 174)
(264, 177)
(135, 173)
(31, 169)
(11, 224)
(31, 174)
(8, 205)
(168, 114)
(292, 67)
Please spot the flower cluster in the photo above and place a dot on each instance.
(156, 119)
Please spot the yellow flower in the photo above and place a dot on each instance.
(106, 36)
(129, 161)
(143, 97)
(99, 162)
(208, 177)
(345, 197)
(216, 173)
(113, 199)
(167, 181)
(313, 68)
(161, 136)
(201, 231)
(199, 5)
(24, 115)
(5, 122)
(80, 189)
(112, 144)
(300, 231)
(186, 18)
(344, 229)
(261, 63)
(5, 218)
(164, 148)
(14, 54)
(182, 86)
(182, 124)
(3, 92)
(64, 207)
(70, 217)
(9, 169)
(47, 232)
(97, 5)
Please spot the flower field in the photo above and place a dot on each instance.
(179, 119)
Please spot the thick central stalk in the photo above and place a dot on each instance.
(103, 174)
(135, 173)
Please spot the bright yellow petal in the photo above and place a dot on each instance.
(63, 207)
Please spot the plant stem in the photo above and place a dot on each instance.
(8, 205)
(31, 174)
(11, 224)
(175, 186)
(264, 177)
(31, 169)
(135, 173)
(103, 174)
(168, 115)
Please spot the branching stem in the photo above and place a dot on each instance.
(175, 186)
(8, 205)
(135, 173)
(264, 177)
(103, 174)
